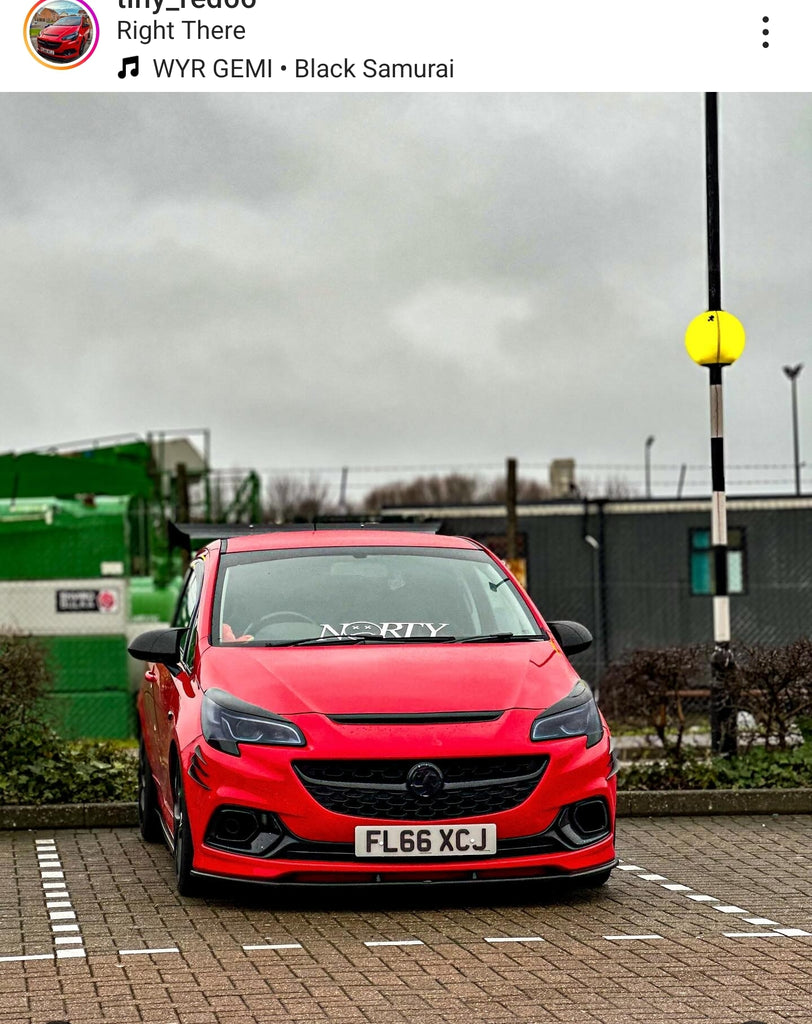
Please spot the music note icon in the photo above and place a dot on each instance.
(129, 62)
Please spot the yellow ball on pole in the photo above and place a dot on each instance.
(715, 338)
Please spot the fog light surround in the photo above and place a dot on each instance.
(243, 830)
(585, 822)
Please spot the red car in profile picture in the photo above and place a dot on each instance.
(369, 705)
(67, 39)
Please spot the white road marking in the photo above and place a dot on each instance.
(614, 938)
(701, 899)
(277, 945)
(57, 896)
(519, 938)
(792, 931)
(17, 959)
(654, 878)
(676, 887)
(751, 935)
(400, 942)
(729, 909)
(628, 867)
(137, 952)
(760, 920)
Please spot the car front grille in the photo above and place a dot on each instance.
(380, 789)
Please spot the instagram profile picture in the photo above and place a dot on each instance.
(61, 34)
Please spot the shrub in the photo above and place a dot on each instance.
(24, 679)
(755, 769)
(775, 686)
(644, 688)
(36, 765)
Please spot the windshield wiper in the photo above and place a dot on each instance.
(356, 638)
(498, 637)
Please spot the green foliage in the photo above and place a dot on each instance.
(756, 769)
(38, 767)
(24, 679)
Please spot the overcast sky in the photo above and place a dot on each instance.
(403, 279)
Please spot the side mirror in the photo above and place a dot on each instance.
(572, 637)
(159, 645)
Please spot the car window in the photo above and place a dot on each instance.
(187, 601)
(390, 592)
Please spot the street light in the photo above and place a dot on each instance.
(649, 443)
(792, 372)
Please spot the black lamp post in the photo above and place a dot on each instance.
(792, 372)
(649, 443)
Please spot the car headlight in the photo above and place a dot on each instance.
(71, 37)
(228, 721)
(574, 715)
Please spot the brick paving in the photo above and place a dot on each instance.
(123, 897)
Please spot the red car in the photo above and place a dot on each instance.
(67, 39)
(345, 705)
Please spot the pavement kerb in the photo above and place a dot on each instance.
(630, 804)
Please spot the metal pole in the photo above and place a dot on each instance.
(792, 372)
(795, 435)
(722, 712)
(510, 507)
(649, 443)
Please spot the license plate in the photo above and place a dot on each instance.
(425, 840)
(48, 53)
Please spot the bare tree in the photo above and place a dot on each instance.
(291, 498)
(454, 489)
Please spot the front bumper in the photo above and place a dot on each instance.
(315, 844)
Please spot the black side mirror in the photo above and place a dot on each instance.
(572, 637)
(159, 645)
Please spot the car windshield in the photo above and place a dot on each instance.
(331, 595)
(64, 22)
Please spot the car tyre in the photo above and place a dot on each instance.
(148, 814)
(183, 852)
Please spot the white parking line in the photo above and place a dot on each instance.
(58, 902)
(400, 942)
(519, 938)
(723, 908)
(149, 952)
(34, 956)
(628, 867)
(615, 938)
(277, 945)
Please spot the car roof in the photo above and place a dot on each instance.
(324, 538)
